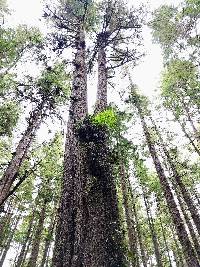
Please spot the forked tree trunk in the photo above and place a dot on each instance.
(19, 155)
(71, 225)
(188, 250)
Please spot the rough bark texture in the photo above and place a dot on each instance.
(37, 237)
(70, 227)
(101, 102)
(103, 243)
(19, 155)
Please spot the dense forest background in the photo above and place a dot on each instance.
(115, 184)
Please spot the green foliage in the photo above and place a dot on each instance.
(107, 118)
(14, 42)
(9, 114)
(164, 25)
(7, 86)
(55, 83)
(180, 84)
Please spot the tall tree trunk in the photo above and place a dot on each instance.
(143, 254)
(190, 227)
(132, 238)
(48, 241)
(152, 229)
(70, 227)
(103, 240)
(188, 250)
(37, 237)
(20, 153)
(163, 232)
(25, 242)
(177, 179)
(9, 240)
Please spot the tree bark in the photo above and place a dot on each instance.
(20, 153)
(71, 225)
(103, 241)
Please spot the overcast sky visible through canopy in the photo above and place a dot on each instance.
(146, 75)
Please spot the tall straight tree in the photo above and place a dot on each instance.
(71, 16)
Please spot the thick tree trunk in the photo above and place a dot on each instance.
(101, 102)
(19, 155)
(37, 237)
(70, 227)
(103, 239)
(188, 250)
(132, 237)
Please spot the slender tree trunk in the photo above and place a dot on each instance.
(179, 256)
(48, 241)
(19, 155)
(188, 250)
(25, 242)
(71, 225)
(189, 138)
(143, 254)
(163, 231)
(12, 232)
(190, 227)
(129, 220)
(37, 237)
(153, 232)
(177, 178)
